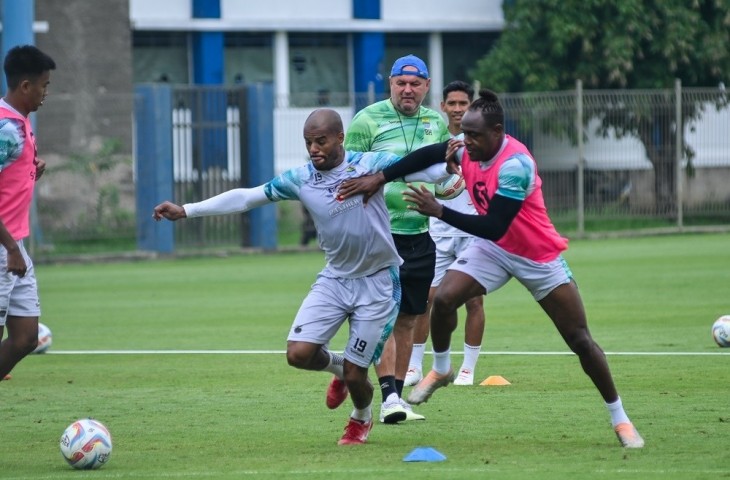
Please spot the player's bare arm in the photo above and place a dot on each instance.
(169, 211)
(492, 226)
(16, 262)
(415, 161)
(40, 167)
(367, 185)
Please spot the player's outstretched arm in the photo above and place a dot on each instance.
(169, 211)
(368, 185)
(416, 161)
(233, 201)
(492, 226)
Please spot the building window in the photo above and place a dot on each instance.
(401, 44)
(318, 69)
(459, 61)
(249, 58)
(160, 57)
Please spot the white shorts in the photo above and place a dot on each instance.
(18, 295)
(492, 267)
(448, 250)
(371, 304)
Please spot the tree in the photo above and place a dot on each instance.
(629, 44)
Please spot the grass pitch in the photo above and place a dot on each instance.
(183, 361)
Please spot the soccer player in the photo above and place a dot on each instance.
(360, 279)
(516, 239)
(28, 74)
(450, 242)
(400, 125)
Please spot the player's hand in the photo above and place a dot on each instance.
(40, 167)
(16, 263)
(367, 185)
(169, 211)
(452, 163)
(423, 201)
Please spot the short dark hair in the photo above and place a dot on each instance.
(459, 86)
(25, 61)
(491, 109)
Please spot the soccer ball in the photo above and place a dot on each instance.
(45, 339)
(450, 188)
(86, 444)
(721, 331)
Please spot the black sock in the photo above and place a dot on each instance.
(387, 386)
(399, 387)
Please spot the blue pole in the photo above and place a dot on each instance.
(260, 104)
(17, 26)
(154, 165)
(208, 67)
(369, 53)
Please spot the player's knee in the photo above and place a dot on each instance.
(296, 357)
(443, 304)
(26, 344)
(581, 343)
(355, 376)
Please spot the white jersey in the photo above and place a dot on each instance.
(356, 240)
(462, 203)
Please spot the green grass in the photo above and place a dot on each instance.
(233, 415)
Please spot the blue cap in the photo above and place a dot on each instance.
(409, 61)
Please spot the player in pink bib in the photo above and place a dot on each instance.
(515, 239)
(27, 71)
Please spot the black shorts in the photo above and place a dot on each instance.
(419, 262)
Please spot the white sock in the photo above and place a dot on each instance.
(417, 356)
(364, 414)
(336, 365)
(442, 362)
(618, 415)
(471, 355)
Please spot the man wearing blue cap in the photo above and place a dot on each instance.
(400, 125)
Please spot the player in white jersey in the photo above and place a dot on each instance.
(360, 279)
(450, 242)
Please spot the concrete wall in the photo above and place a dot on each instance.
(90, 95)
(90, 103)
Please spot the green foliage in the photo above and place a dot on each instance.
(248, 415)
(107, 217)
(548, 44)
(91, 164)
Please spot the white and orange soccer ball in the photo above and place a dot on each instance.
(450, 188)
(45, 339)
(86, 444)
(721, 331)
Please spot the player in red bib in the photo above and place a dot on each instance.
(27, 71)
(515, 239)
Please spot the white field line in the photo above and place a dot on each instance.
(416, 469)
(266, 352)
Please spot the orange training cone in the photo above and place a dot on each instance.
(495, 380)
